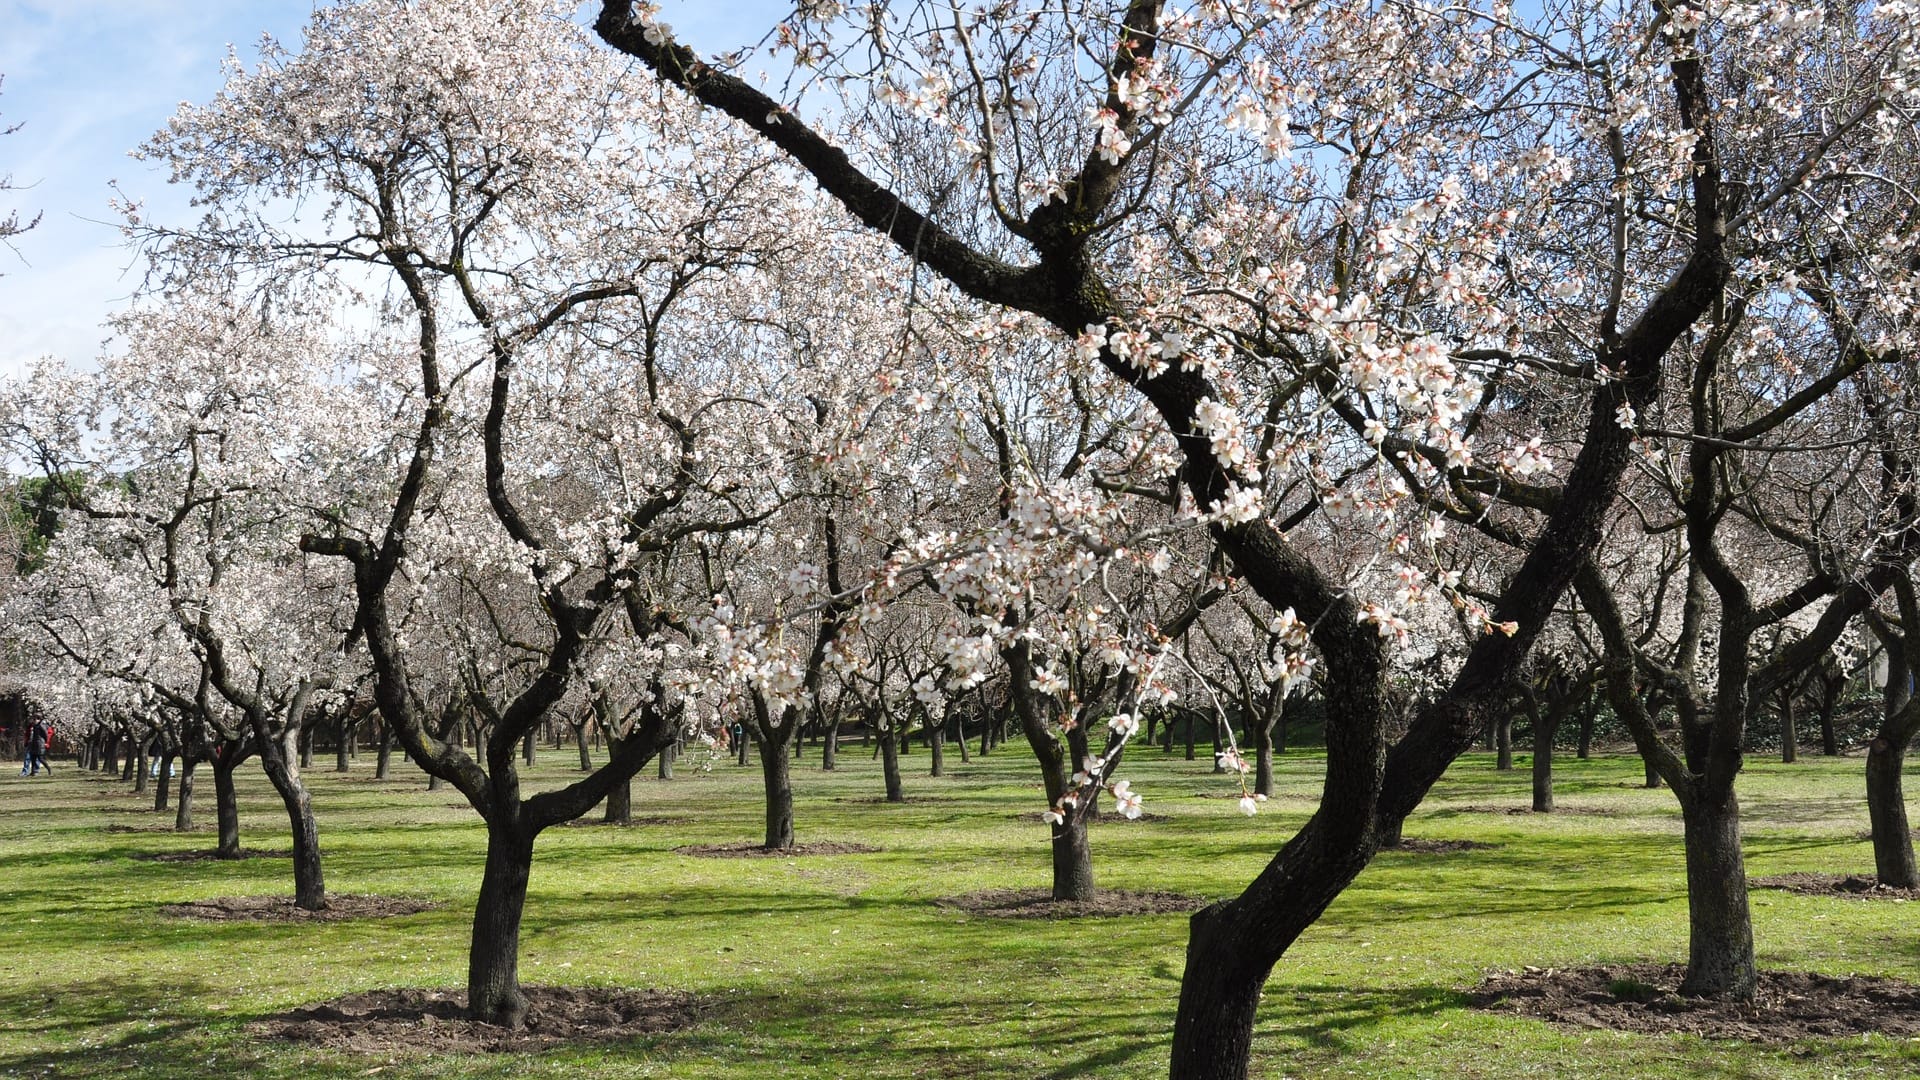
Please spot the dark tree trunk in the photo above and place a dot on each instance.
(306, 748)
(383, 761)
(1072, 861)
(1213, 1030)
(620, 796)
(183, 808)
(586, 756)
(527, 748)
(1893, 861)
(960, 740)
(1271, 716)
(163, 782)
(936, 748)
(309, 882)
(343, 743)
(774, 770)
(226, 807)
(664, 768)
(139, 762)
(830, 744)
(1503, 741)
(1544, 730)
(1789, 727)
(493, 958)
(1720, 926)
(1587, 717)
(1188, 718)
(1653, 774)
(890, 763)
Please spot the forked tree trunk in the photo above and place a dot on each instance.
(1893, 861)
(226, 808)
(183, 807)
(493, 957)
(1719, 923)
(775, 771)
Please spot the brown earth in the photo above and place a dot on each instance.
(1788, 1007)
(750, 850)
(1851, 886)
(340, 908)
(1423, 846)
(210, 855)
(434, 1021)
(1039, 904)
(636, 821)
(119, 828)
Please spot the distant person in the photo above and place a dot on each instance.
(39, 737)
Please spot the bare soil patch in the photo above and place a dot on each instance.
(1851, 886)
(634, 822)
(881, 800)
(412, 1022)
(750, 850)
(1040, 904)
(1528, 811)
(156, 828)
(1789, 1006)
(1423, 846)
(340, 908)
(210, 855)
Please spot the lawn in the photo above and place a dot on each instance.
(842, 965)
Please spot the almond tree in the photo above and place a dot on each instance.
(1326, 200)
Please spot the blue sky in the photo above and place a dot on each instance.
(90, 80)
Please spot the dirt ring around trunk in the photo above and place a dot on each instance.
(1788, 1006)
(341, 907)
(1423, 846)
(417, 1022)
(210, 855)
(634, 822)
(1849, 886)
(1040, 904)
(746, 849)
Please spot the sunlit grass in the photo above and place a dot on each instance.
(839, 966)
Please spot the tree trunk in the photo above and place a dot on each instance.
(163, 782)
(183, 809)
(1269, 716)
(1893, 861)
(383, 762)
(779, 787)
(1072, 861)
(1789, 729)
(830, 745)
(493, 958)
(1219, 995)
(937, 748)
(527, 747)
(1188, 717)
(667, 754)
(277, 757)
(1587, 717)
(306, 748)
(1720, 925)
(586, 756)
(226, 808)
(1544, 730)
(340, 763)
(890, 764)
(1503, 741)
(140, 769)
(1653, 774)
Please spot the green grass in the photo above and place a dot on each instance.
(840, 966)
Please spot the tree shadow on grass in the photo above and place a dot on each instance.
(109, 1025)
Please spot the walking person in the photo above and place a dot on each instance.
(39, 738)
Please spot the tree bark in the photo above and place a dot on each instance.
(774, 770)
(1893, 861)
(226, 807)
(890, 763)
(493, 958)
(620, 796)
(1720, 926)
(667, 754)
(1072, 861)
(183, 808)
(586, 756)
(1544, 729)
(936, 747)
(1503, 741)
(383, 762)
(163, 782)
(830, 744)
(1789, 728)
